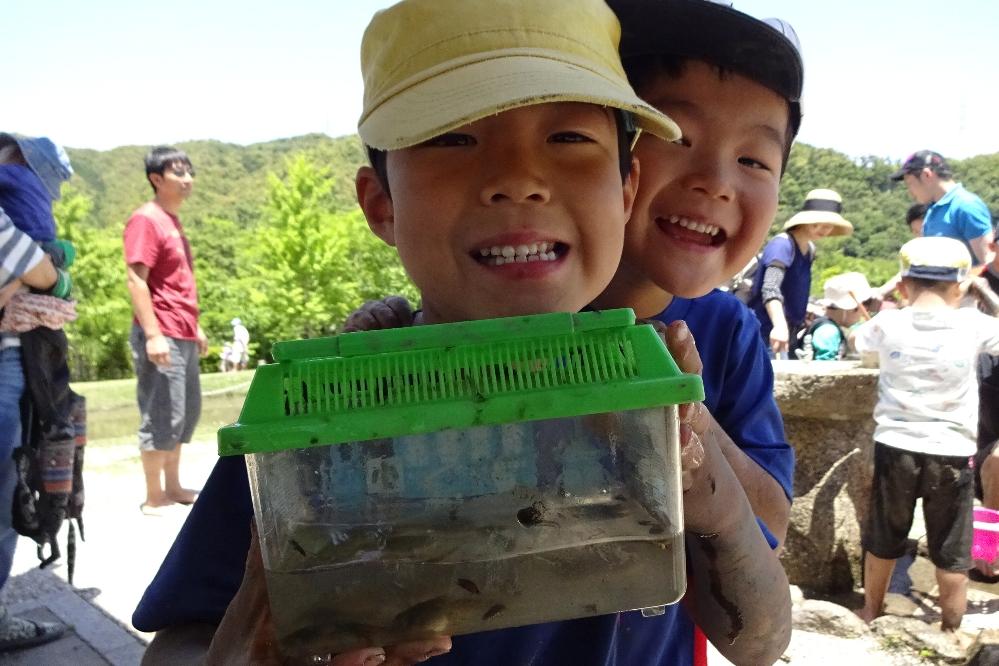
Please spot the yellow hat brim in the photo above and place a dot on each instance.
(470, 91)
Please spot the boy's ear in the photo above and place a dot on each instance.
(903, 289)
(376, 204)
(156, 179)
(630, 187)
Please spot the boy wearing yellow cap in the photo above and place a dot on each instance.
(505, 192)
(926, 422)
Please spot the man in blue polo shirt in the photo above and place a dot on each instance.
(954, 211)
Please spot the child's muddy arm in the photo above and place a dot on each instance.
(766, 497)
(737, 591)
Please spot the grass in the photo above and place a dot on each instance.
(113, 417)
(112, 393)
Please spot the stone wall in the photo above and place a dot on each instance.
(827, 408)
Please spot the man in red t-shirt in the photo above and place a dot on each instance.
(166, 339)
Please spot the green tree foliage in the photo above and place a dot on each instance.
(99, 337)
(278, 240)
(311, 266)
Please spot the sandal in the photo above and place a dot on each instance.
(17, 633)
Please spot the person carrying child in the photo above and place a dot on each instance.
(926, 418)
(517, 207)
(22, 263)
(50, 488)
(784, 276)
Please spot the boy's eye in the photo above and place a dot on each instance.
(753, 163)
(450, 139)
(569, 137)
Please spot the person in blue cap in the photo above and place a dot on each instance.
(22, 262)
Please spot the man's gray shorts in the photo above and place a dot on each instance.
(169, 396)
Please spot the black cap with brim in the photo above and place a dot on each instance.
(718, 34)
(919, 160)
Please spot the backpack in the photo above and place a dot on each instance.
(49, 461)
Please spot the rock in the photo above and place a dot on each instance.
(923, 638)
(827, 408)
(825, 617)
(985, 651)
(900, 605)
(797, 596)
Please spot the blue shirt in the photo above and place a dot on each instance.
(959, 214)
(27, 202)
(795, 288)
(204, 568)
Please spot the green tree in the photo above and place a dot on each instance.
(98, 339)
(309, 266)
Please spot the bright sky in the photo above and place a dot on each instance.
(883, 77)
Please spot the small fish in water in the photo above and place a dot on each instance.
(493, 611)
(430, 616)
(468, 585)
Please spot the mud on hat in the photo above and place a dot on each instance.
(935, 258)
(48, 160)
(763, 50)
(430, 66)
(822, 207)
(923, 159)
(846, 291)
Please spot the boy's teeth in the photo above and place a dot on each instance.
(498, 255)
(699, 227)
(507, 254)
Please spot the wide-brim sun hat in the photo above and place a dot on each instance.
(822, 207)
(46, 158)
(430, 66)
(846, 291)
(935, 258)
(763, 50)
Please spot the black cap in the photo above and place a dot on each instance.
(924, 159)
(765, 51)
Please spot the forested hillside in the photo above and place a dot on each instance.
(278, 240)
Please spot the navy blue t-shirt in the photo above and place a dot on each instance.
(795, 288)
(204, 568)
(27, 202)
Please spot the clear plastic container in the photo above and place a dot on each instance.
(372, 543)
(458, 519)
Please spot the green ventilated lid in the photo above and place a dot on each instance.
(407, 381)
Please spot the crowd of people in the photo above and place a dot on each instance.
(507, 151)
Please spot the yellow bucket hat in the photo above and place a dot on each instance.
(430, 66)
(822, 207)
(935, 258)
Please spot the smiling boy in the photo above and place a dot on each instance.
(522, 178)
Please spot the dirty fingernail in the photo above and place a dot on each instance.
(375, 659)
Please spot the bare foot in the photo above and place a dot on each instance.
(182, 496)
(865, 615)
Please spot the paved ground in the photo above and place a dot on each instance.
(122, 552)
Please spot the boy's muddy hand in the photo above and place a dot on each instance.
(390, 312)
(246, 634)
(694, 418)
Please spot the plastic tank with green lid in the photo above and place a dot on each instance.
(465, 477)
